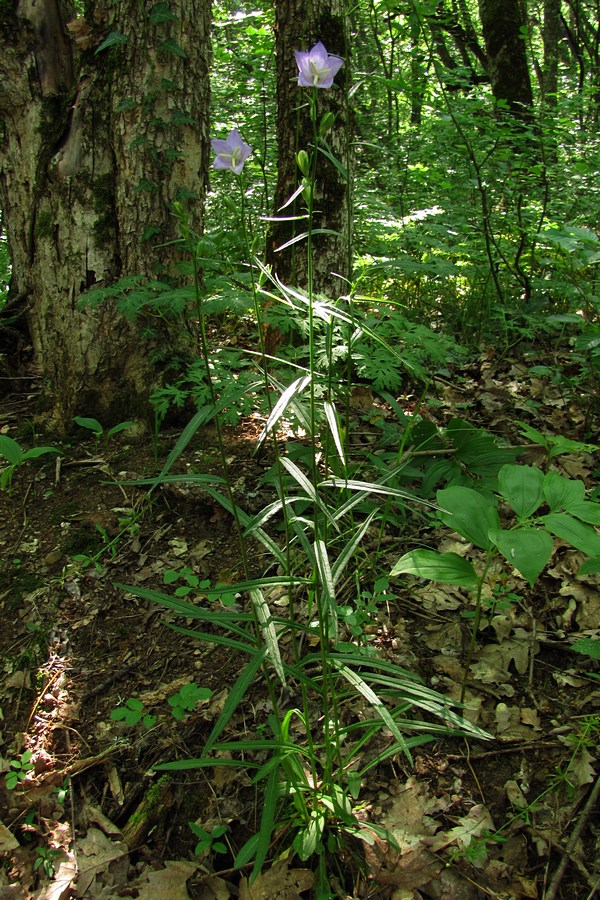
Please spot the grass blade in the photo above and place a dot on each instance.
(263, 614)
(334, 427)
(235, 697)
(378, 707)
(288, 396)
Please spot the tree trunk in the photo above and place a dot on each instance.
(503, 23)
(551, 37)
(299, 24)
(97, 142)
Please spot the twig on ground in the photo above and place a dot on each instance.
(584, 815)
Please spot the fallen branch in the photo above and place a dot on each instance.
(575, 835)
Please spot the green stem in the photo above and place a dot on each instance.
(213, 398)
(264, 368)
(476, 621)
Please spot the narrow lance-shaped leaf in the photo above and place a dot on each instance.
(378, 706)
(263, 614)
(235, 697)
(345, 556)
(301, 237)
(291, 392)
(327, 585)
(335, 430)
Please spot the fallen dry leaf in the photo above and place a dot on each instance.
(279, 883)
(8, 841)
(101, 862)
(167, 884)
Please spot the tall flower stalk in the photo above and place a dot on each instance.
(316, 70)
(320, 773)
(232, 154)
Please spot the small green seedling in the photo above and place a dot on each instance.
(185, 574)
(45, 860)
(555, 445)
(17, 457)
(98, 429)
(209, 840)
(184, 701)
(132, 713)
(86, 561)
(18, 770)
(61, 792)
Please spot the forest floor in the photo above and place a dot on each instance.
(86, 815)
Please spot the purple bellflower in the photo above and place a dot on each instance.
(232, 152)
(316, 67)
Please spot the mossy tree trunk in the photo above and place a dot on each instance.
(96, 143)
(299, 24)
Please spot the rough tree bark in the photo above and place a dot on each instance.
(95, 144)
(551, 35)
(502, 22)
(299, 24)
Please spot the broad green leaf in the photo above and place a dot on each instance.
(116, 429)
(477, 449)
(40, 451)
(586, 511)
(469, 513)
(159, 14)
(527, 549)
(10, 450)
(588, 646)
(562, 445)
(89, 423)
(576, 533)
(561, 492)
(590, 566)
(522, 487)
(303, 164)
(6, 476)
(308, 839)
(449, 568)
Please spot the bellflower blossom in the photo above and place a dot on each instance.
(232, 152)
(316, 68)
